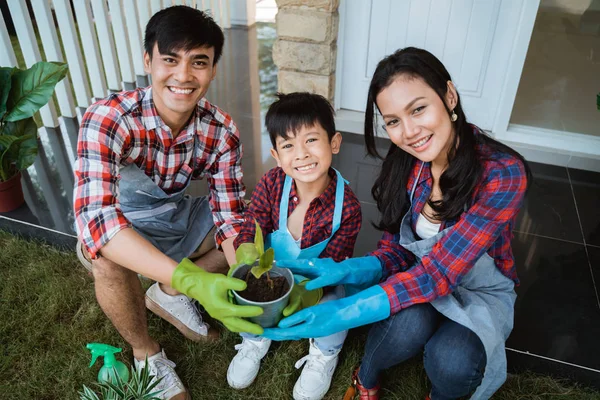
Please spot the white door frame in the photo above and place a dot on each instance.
(536, 144)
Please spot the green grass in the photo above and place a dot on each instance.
(49, 313)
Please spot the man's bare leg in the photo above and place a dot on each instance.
(120, 295)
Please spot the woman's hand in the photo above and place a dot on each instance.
(370, 305)
(363, 271)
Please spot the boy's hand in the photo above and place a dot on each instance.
(211, 291)
(301, 298)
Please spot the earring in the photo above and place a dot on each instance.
(453, 117)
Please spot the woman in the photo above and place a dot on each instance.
(442, 279)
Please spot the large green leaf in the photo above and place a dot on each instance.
(8, 153)
(20, 128)
(23, 151)
(27, 152)
(5, 84)
(32, 88)
(18, 146)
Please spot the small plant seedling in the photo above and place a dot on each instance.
(248, 253)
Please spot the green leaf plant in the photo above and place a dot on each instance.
(248, 253)
(22, 94)
(139, 387)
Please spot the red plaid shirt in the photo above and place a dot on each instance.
(125, 128)
(317, 221)
(485, 227)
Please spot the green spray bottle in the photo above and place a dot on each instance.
(111, 365)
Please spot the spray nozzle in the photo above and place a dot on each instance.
(100, 349)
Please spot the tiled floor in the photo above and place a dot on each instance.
(557, 234)
(562, 59)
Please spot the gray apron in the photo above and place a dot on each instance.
(482, 302)
(174, 223)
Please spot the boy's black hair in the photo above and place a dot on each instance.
(183, 28)
(293, 111)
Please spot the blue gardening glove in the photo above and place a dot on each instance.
(370, 305)
(363, 271)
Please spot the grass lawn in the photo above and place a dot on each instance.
(49, 313)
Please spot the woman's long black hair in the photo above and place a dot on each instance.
(465, 167)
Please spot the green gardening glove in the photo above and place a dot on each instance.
(301, 298)
(211, 291)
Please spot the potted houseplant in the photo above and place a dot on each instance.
(22, 94)
(268, 286)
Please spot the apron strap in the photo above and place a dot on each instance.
(285, 200)
(339, 203)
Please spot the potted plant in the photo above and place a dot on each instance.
(268, 286)
(22, 94)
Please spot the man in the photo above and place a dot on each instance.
(137, 152)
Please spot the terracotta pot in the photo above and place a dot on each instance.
(11, 194)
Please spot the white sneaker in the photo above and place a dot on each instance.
(315, 379)
(161, 367)
(181, 312)
(245, 365)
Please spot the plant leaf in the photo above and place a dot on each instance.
(20, 128)
(259, 241)
(5, 84)
(246, 253)
(265, 263)
(18, 146)
(8, 153)
(27, 152)
(32, 88)
(88, 394)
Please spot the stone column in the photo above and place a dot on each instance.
(305, 50)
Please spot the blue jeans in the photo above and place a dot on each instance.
(454, 357)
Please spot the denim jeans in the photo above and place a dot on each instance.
(454, 357)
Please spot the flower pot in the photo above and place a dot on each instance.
(272, 310)
(11, 194)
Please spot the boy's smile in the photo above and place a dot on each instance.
(306, 155)
(179, 80)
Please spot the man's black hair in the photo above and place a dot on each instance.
(291, 112)
(183, 28)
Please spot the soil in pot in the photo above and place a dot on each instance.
(265, 289)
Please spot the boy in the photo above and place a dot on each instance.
(305, 210)
(136, 154)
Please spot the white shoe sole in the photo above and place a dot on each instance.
(211, 336)
(240, 387)
(81, 257)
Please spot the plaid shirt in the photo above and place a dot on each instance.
(317, 221)
(125, 128)
(485, 227)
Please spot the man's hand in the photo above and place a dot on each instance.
(211, 291)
